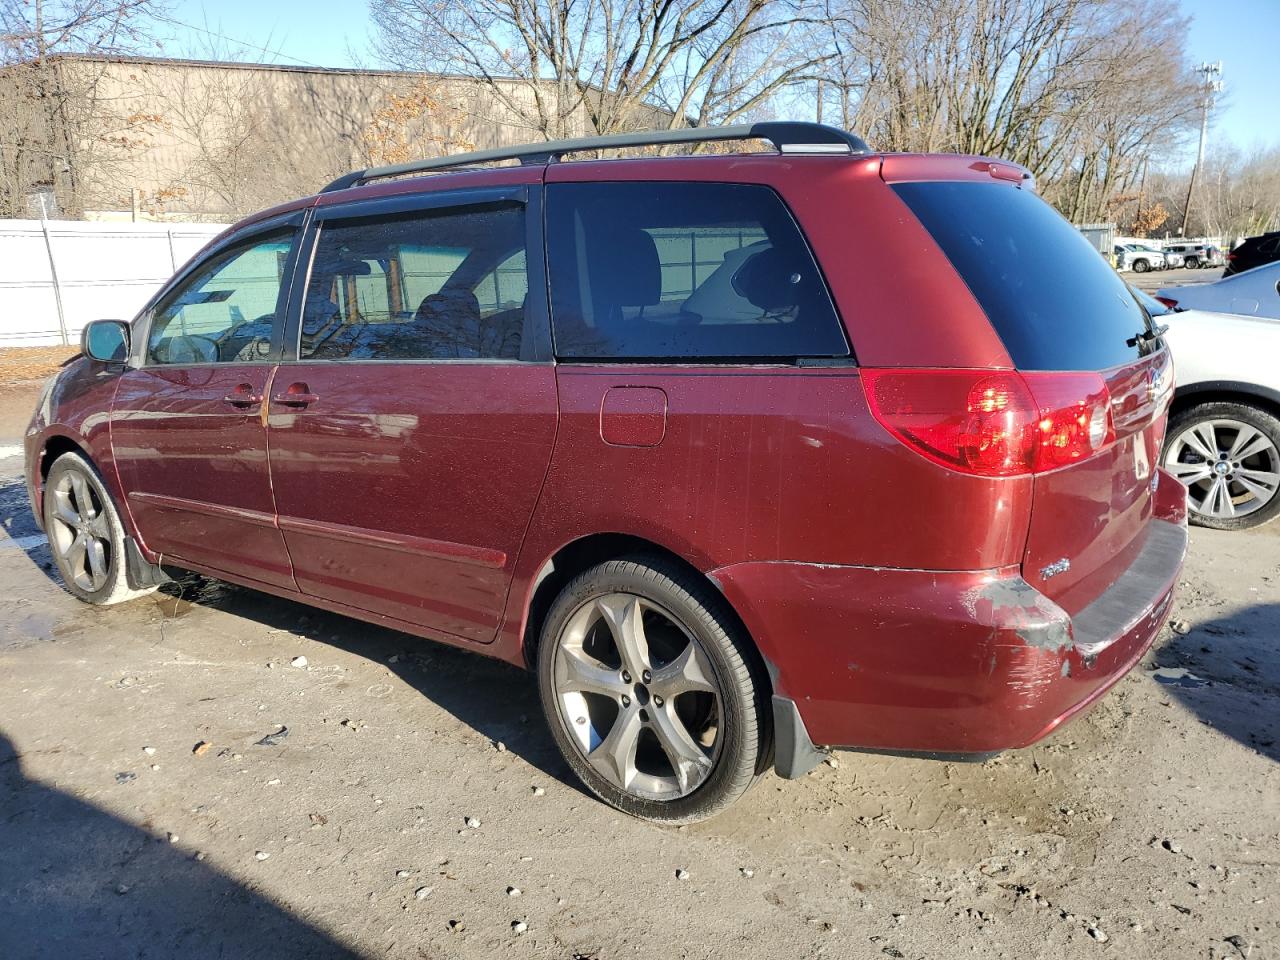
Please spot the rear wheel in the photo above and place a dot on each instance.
(1141, 266)
(649, 693)
(1228, 457)
(1192, 263)
(85, 534)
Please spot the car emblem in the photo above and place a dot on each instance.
(1055, 568)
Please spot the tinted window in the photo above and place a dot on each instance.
(225, 310)
(683, 271)
(1055, 302)
(429, 285)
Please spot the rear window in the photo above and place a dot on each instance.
(683, 271)
(1052, 298)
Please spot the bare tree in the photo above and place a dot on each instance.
(59, 130)
(1079, 91)
(560, 67)
(1238, 196)
(422, 120)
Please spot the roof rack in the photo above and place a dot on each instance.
(787, 137)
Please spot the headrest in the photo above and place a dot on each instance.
(345, 267)
(452, 306)
(624, 262)
(771, 279)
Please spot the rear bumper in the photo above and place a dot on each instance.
(943, 662)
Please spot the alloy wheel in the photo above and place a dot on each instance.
(1230, 468)
(638, 696)
(80, 534)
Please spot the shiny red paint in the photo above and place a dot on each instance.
(633, 416)
(1096, 512)
(436, 497)
(406, 488)
(194, 467)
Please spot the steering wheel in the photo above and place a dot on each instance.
(188, 348)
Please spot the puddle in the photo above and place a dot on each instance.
(1177, 677)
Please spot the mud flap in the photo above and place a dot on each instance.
(794, 754)
(140, 574)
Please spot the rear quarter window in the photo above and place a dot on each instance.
(683, 272)
(1053, 299)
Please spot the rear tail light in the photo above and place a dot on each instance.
(1232, 256)
(1001, 424)
(1170, 303)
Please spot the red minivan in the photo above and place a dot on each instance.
(745, 455)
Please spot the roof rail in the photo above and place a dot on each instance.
(787, 137)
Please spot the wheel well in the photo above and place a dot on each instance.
(573, 558)
(53, 449)
(1185, 401)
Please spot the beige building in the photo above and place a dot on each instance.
(141, 138)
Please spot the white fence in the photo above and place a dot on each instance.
(57, 275)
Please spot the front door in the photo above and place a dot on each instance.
(411, 430)
(188, 429)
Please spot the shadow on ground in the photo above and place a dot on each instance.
(494, 698)
(79, 882)
(1234, 663)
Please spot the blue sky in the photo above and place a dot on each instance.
(1243, 34)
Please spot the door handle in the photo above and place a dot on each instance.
(243, 397)
(296, 395)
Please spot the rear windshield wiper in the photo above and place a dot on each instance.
(1146, 336)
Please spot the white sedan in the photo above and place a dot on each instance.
(1254, 293)
(1223, 441)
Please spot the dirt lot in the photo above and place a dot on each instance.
(23, 364)
(1150, 828)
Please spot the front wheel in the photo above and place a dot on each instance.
(85, 534)
(1141, 266)
(1227, 455)
(647, 685)
(1192, 263)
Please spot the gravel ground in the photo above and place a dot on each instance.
(390, 797)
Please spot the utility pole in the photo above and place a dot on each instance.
(1210, 87)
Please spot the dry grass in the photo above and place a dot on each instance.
(22, 364)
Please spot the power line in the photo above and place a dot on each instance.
(241, 43)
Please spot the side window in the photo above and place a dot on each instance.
(505, 287)
(430, 285)
(683, 271)
(225, 310)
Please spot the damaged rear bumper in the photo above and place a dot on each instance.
(941, 663)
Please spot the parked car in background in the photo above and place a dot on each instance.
(1255, 293)
(1120, 254)
(1224, 428)
(1194, 255)
(1213, 256)
(1253, 252)
(1143, 258)
(634, 424)
(1173, 259)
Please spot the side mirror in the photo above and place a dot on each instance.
(106, 341)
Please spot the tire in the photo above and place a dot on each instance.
(103, 581)
(1242, 493)
(595, 707)
(1192, 263)
(1141, 266)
